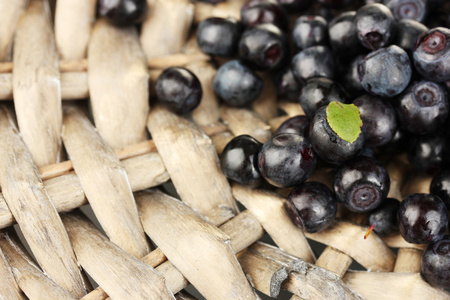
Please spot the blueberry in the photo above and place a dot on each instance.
(384, 217)
(422, 218)
(350, 78)
(297, 125)
(408, 9)
(427, 153)
(361, 184)
(432, 54)
(217, 36)
(385, 72)
(440, 186)
(343, 38)
(310, 31)
(408, 31)
(237, 84)
(311, 206)
(123, 12)
(375, 26)
(435, 264)
(286, 160)
(287, 87)
(316, 61)
(238, 160)
(178, 89)
(263, 47)
(256, 12)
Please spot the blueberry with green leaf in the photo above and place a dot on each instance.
(335, 132)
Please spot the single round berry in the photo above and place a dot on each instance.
(384, 217)
(217, 36)
(238, 160)
(408, 31)
(343, 38)
(435, 264)
(440, 186)
(428, 153)
(422, 218)
(361, 184)
(256, 12)
(287, 87)
(237, 84)
(297, 125)
(123, 12)
(408, 9)
(286, 160)
(178, 89)
(316, 61)
(310, 31)
(311, 206)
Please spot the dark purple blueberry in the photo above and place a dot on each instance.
(384, 217)
(435, 264)
(286, 160)
(408, 9)
(335, 3)
(263, 47)
(432, 54)
(178, 89)
(350, 79)
(256, 12)
(379, 119)
(217, 36)
(343, 38)
(427, 153)
(385, 72)
(361, 184)
(375, 26)
(310, 31)
(318, 92)
(237, 84)
(296, 125)
(123, 12)
(440, 186)
(288, 88)
(327, 144)
(422, 107)
(311, 206)
(238, 160)
(294, 5)
(398, 144)
(316, 61)
(408, 31)
(422, 218)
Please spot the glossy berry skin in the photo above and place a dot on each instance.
(178, 89)
(408, 9)
(327, 144)
(432, 54)
(123, 13)
(427, 153)
(238, 160)
(440, 186)
(263, 47)
(237, 84)
(435, 264)
(318, 92)
(422, 218)
(256, 12)
(422, 107)
(361, 184)
(379, 119)
(385, 72)
(408, 31)
(286, 160)
(296, 125)
(310, 31)
(384, 217)
(311, 206)
(375, 26)
(316, 61)
(288, 88)
(343, 38)
(218, 36)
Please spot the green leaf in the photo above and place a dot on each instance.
(344, 120)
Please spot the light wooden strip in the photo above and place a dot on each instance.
(8, 285)
(165, 29)
(268, 208)
(221, 140)
(408, 260)
(397, 241)
(33, 210)
(292, 109)
(73, 24)
(32, 281)
(245, 121)
(334, 260)
(187, 150)
(120, 274)
(176, 60)
(10, 12)
(347, 237)
(202, 253)
(225, 9)
(175, 280)
(417, 183)
(382, 285)
(36, 84)
(74, 85)
(6, 87)
(266, 104)
(397, 168)
(118, 84)
(105, 182)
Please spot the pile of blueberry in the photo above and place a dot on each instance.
(372, 77)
